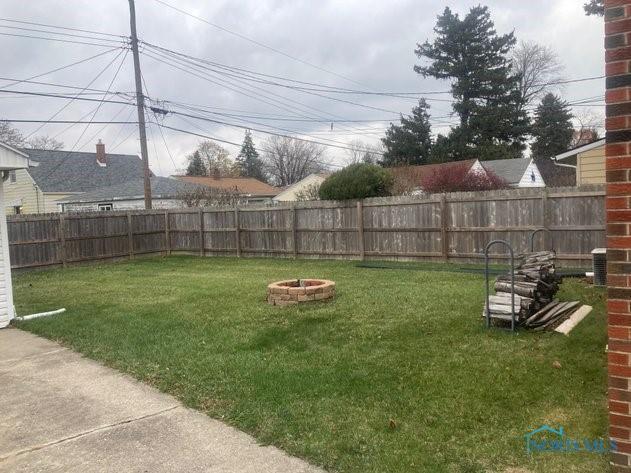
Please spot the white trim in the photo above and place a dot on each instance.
(11, 148)
(582, 149)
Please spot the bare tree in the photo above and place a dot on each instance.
(10, 135)
(216, 158)
(44, 142)
(361, 152)
(538, 67)
(288, 160)
(310, 192)
(203, 196)
(587, 123)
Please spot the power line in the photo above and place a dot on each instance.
(265, 78)
(340, 90)
(9, 20)
(133, 131)
(60, 40)
(263, 131)
(297, 89)
(206, 78)
(58, 96)
(69, 35)
(91, 121)
(58, 68)
(73, 122)
(258, 43)
(72, 99)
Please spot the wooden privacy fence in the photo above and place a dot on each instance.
(453, 227)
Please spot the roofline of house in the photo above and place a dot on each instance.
(579, 149)
(290, 187)
(115, 199)
(16, 151)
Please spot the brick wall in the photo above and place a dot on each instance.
(618, 202)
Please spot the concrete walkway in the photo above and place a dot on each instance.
(60, 412)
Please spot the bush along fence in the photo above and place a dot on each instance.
(447, 227)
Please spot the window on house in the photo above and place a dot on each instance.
(533, 178)
(12, 177)
(17, 209)
(104, 207)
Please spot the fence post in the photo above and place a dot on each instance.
(201, 232)
(62, 239)
(167, 232)
(130, 236)
(360, 230)
(237, 233)
(545, 212)
(444, 237)
(294, 230)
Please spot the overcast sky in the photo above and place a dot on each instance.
(367, 45)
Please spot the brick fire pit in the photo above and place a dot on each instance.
(297, 291)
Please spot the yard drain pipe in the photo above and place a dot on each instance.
(41, 314)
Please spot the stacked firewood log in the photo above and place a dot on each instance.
(536, 283)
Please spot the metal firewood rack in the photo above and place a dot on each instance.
(512, 280)
(532, 238)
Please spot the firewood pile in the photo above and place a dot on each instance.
(536, 283)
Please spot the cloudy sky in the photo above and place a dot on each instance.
(362, 45)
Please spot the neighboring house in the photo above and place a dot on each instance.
(555, 175)
(516, 172)
(522, 172)
(409, 179)
(129, 195)
(588, 160)
(250, 190)
(293, 192)
(11, 160)
(54, 176)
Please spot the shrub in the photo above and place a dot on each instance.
(357, 181)
(460, 178)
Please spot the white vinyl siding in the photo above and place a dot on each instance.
(6, 294)
(25, 193)
(532, 177)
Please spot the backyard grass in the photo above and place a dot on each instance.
(397, 374)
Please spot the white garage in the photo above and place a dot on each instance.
(10, 159)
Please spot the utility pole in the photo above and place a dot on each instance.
(140, 102)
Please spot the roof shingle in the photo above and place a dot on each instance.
(243, 185)
(75, 171)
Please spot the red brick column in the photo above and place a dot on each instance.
(618, 98)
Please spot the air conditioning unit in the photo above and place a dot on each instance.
(599, 262)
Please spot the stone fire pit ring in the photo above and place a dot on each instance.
(298, 291)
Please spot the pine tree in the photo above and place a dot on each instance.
(196, 166)
(410, 142)
(595, 7)
(471, 54)
(248, 161)
(552, 129)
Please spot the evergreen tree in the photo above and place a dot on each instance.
(248, 161)
(471, 54)
(410, 142)
(595, 7)
(552, 129)
(196, 166)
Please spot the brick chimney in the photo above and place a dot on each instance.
(101, 158)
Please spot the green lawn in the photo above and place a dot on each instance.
(323, 381)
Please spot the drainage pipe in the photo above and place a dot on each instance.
(41, 314)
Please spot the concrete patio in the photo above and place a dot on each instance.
(60, 412)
